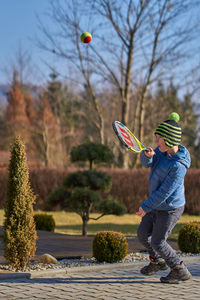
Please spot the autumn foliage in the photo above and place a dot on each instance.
(17, 118)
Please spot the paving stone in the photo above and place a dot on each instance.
(104, 285)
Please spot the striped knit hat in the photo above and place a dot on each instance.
(170, 130)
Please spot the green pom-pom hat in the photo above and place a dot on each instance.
(170, 130)
(174, 117)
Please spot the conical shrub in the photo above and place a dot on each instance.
(19, 227)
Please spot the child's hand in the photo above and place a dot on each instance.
(150, 152)
(141, 213)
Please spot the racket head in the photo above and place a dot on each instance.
(127, 138)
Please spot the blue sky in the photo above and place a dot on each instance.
(19, 27)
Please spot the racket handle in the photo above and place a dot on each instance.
(147, 149)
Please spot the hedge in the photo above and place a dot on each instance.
(128, 186)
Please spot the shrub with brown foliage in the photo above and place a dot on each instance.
(128, 186)
(192, 192)
(43, 182)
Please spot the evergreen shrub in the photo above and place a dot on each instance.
(44, 222)
(189, 238)
(109, 246)
(19, 226)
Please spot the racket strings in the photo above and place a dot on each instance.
(127, 137)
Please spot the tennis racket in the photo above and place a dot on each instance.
(127, 138)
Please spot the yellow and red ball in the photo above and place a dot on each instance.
(86, 37)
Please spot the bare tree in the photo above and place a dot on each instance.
(135, 43)
(22, 62)
(67, 17)
(152, 37)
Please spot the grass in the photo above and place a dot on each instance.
(71, 223)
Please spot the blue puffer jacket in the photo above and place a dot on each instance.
(166, 179)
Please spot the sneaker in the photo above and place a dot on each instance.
(178, 273)
(154, 266)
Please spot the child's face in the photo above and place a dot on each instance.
(161, 143)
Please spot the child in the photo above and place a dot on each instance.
(165, 205)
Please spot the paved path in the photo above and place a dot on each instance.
(105, 285)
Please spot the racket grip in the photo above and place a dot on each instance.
(147, 149)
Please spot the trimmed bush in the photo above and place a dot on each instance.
(83, 188)
(110, 246)
(44, 222)
(92, 153)
(93, 179)
(111, 206)
(189, 238)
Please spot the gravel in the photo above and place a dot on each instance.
(81, 262)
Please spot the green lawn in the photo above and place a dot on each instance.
(71, 223)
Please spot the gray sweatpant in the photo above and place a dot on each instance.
(154, 230)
